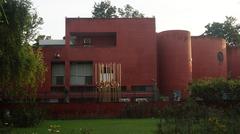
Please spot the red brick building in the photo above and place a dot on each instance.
(174, 62)
(130, 54)
(129, 42)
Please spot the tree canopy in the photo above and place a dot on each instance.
(21, 67)
(129, 12)
(229, 30)
(3, 17)
(104, 9)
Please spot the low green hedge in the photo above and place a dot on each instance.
(218, 89)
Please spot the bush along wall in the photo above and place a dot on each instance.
(26, 116)
(218, 89)
(21, 115)
(192, 117)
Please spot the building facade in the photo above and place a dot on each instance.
(89, 43)
(126, 60)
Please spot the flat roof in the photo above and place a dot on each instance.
(51, 42)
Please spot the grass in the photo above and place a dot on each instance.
(211, 125)
(96, 126)
(138, 126)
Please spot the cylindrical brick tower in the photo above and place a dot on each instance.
(174, 62)
(209, 57)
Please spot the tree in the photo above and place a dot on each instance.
(3, 17)
(21, 67)
(39, 37)
(228, 30)
(129, 12)
(104, 9)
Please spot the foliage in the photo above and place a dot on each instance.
(210, 125)
(217, 89)
(29, 76)
(3, 17)
(40, 37)
(21, 116)
(228, 30)
(26, 116)
(21, 67)
(129, 12)
(104, 9)
(23, 20)
(193, 118)
(5, 125)
(139, 110)
(188, 110)
(5, 130)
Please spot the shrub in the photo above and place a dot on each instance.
(139, 110)
(193, 118)
(189, 110)
(217, 89)
(191, 126)
(5, 128)
(26, 116)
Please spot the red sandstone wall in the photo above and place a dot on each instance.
(233, 54)
(49, 57)
(94, 110)
(135, 49)
(204, 57)
(174, 61)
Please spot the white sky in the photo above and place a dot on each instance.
(191, 15)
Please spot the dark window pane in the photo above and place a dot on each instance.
(58, 89)
(88, 80)
(59, 80)
(142, 88)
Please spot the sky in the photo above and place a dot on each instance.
(191, 15)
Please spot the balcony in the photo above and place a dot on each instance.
(96, 39)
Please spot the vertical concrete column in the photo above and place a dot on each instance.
(67, 47)
(67, 74)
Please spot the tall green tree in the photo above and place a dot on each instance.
(21, 67)
(229, 30)
(3, 18)
(129, 12)
(39, 37)
(104, 9)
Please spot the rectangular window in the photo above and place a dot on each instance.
(73, 40)
(93, 39)
(87, 41)
(107, 74)
(81, 73)
(58, 71)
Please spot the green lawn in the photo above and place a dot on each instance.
(97, 126)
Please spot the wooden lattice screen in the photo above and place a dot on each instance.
(108, 81)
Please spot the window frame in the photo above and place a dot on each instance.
(52, 75)
(80, 75)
